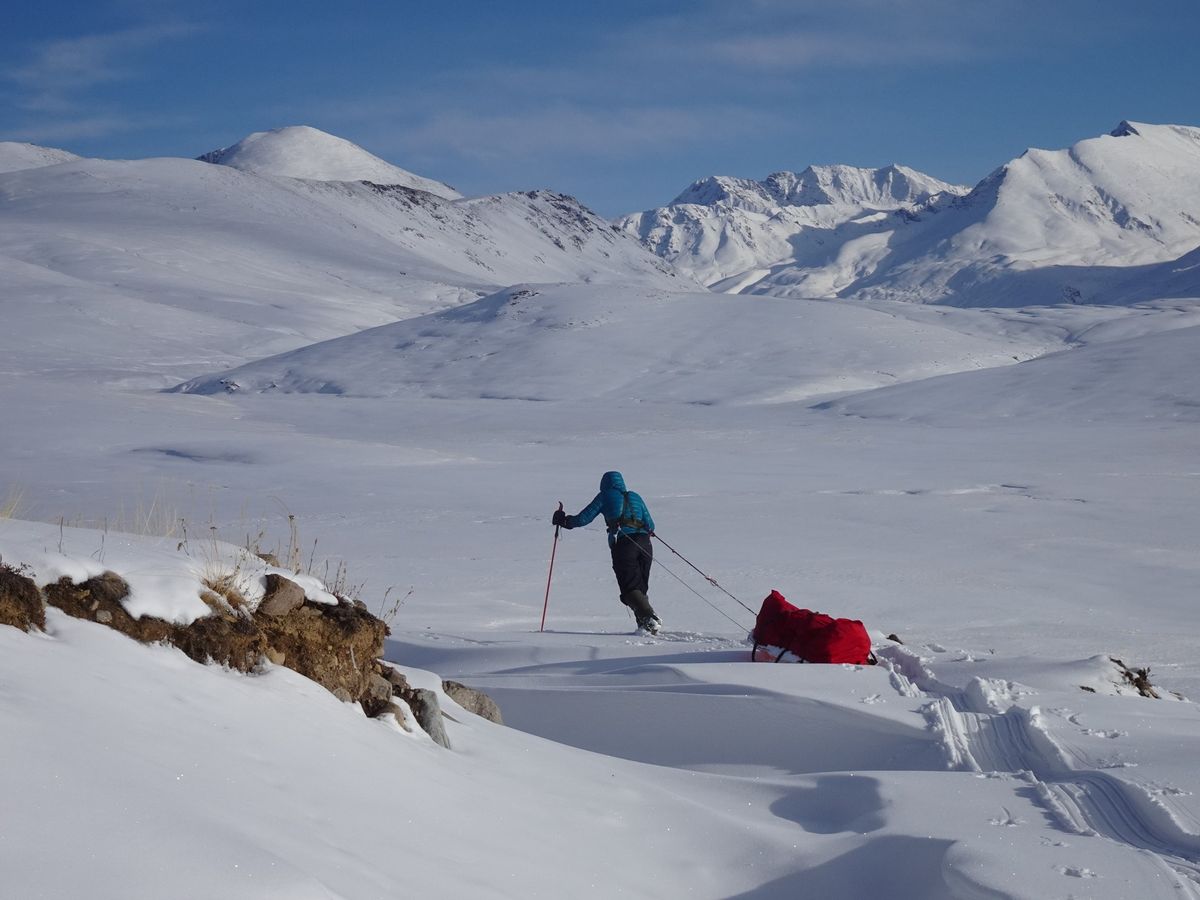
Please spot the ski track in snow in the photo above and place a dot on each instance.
(1082, 800)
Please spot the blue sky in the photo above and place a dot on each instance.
(620, 103)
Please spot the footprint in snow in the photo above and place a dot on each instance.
(1076, 872)
(1092, 732)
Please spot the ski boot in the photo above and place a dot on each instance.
(643, 612)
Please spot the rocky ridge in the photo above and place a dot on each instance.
(336, 645)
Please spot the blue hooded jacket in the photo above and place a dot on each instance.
(624, 511)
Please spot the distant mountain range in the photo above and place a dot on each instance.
(1110, 220)
(293, 236)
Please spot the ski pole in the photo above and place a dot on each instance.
(553, 550)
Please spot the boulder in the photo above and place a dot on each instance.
(473, 701)
(282, 596)
(428, 713)
(378, 696)
(21, 602)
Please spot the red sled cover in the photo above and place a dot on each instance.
(812, 636)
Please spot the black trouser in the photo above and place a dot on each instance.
(632, 555)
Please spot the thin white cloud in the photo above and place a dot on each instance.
(803, 50)
(59, 69)
(69, 129)
(564, 130)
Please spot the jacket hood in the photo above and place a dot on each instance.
(612, 481)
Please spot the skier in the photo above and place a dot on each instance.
(630, 527)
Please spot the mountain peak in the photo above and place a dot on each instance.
(888, 187)
(301, 151)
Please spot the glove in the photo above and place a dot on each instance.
(559, 518)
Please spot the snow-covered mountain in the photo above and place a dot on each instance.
(15, 156)
(300, 151)
(1047, 227)
(223, 265)
(728, 233)
(890, 187)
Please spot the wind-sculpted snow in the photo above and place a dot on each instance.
(300, 151)
(1048, 227)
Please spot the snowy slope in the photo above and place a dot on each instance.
(1047, 227)
(300, 151)
(224, 266)
(575, 342)
(1096, 382)
(647, 768)
(15, 156)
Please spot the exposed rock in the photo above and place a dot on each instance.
(1138, 678)
(230, 639)
(235, 642)
(378, 696)
(473, 701)
(104, 593)
(397, 679)
(21, 602)
(282, 596)
(428, 713)
(423, 703)
(334, 645)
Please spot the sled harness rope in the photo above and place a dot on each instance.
(714, 607)
(707, 578)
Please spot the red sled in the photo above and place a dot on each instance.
(812, 636)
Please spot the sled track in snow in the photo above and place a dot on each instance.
(1083, 801)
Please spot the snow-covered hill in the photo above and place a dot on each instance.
(1048, 227)
(15, 156)
(300, 151)
(207, 266)
(593, 342)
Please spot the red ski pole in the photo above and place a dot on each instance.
(553, 550)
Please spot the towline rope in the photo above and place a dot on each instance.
(707, 578)
(708, 602)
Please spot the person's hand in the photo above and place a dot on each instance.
(559, 518)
